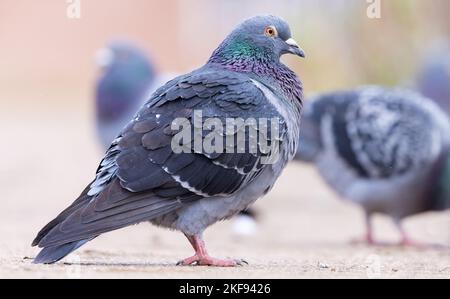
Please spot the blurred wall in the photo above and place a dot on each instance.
(45, 53)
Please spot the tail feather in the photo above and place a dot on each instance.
(52, 254)
(81, 201)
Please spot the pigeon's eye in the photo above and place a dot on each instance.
(271, 31)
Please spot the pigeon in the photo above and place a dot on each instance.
(128, 78)
(433, 80)
(387, 150)
(160, 168)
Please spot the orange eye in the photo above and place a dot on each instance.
(271, 31)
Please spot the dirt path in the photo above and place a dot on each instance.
(304, 229)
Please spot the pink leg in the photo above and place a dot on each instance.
(406, 241)
(202, 258)
(368, 237)
(369, 230)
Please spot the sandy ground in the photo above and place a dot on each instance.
(48, 155)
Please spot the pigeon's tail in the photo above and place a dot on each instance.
(113, 208)
(52, 254)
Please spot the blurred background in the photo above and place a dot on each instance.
(49, 150)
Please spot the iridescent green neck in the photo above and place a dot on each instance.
(241, 53)
(242, 49)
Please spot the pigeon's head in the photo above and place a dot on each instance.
(121, 56)
(261, 37)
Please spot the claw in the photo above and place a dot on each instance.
(210, 261)
(241, 263)
(179, 263)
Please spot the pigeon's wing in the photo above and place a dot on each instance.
(383, 134)
(209, 99)
(141, 176)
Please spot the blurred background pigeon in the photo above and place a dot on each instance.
(129, 77)
(433, 80)
(141, 178)
(386, 150)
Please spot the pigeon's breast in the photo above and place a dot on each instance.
(291, 117)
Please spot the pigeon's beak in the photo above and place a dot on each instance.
(294, 48)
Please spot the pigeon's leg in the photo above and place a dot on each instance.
(406, 241)
(368, 236)
(369, 230)
(202, 258)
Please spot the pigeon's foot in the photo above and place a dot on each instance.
(210, 261)
(367, 239)
(406, 241)
(409, 243)
(360, 241)
(202, 258)
(369, 242)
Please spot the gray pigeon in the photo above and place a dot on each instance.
(144, 176)
(128, 79)
(386, 150)
(433, 80)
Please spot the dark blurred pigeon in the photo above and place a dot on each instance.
(433, 80)
(144, 178)
(386, 150)
(128, 79)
